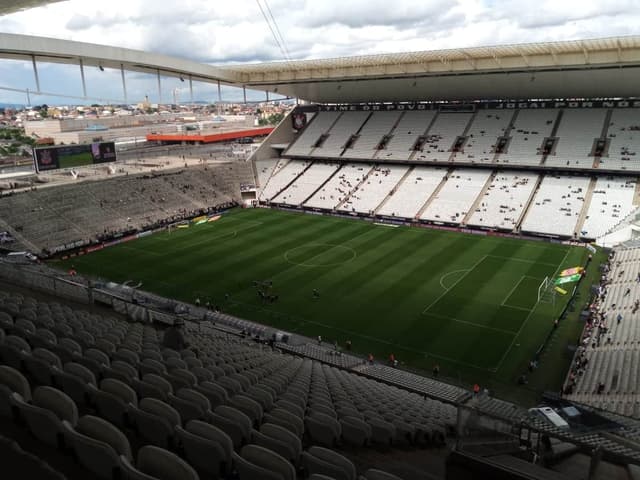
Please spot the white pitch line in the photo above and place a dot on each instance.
(523, 260)
(403, 347)
(450, 273)
(454, 284)
(511, 292)
(528, 317)
(477, 325)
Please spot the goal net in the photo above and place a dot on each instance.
(546, 291)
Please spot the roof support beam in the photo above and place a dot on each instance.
(619, 49)
(586, 54)
(470, 60)
(35, 72)
(84, 83)
(525, 59)
(124, 83)
(496, 59)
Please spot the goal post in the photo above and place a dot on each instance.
(546, 291)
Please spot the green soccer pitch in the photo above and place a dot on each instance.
(467, 302)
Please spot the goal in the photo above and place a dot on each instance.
(546, 291)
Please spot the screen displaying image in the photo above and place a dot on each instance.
(72, 156)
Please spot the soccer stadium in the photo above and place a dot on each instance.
(429, 268)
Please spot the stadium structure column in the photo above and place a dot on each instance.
(35, 72)
(159, 87)
(190, 89)
(219, 93)
(124, 83)
(84, 82)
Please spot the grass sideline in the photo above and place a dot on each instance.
(467, 302)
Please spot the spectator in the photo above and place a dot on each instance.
(476, 390)
(436, 370)
(370, 358)
(348, 345)
(173, 336)
(319, 339)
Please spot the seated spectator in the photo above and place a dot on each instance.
(173, 336)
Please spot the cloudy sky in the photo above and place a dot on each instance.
(225, 31)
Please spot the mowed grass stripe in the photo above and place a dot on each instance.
(376, 298)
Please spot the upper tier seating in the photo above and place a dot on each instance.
(457, 196)
(411, 126)
(482, 136)
(413, 192)
(505, 200)
(527, 134)
(442, 135)
(317, 126)
(339, 134)
(624, 141)
(576, 134)
(377, 126)
(612, 200)
(557, 205)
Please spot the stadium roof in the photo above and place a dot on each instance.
(10, 6)
(607, 67)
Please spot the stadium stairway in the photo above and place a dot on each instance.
(335, 172)
(507, 133)
(585, 206)
(395, 188)
(390, 134)
(554, 131)
(479, 198)
(435, 193)
(355, 189)
(526, 208)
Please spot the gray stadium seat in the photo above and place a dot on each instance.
(214, 393)
(327, 462)
(113, 400)
(98, 446)
(12, 381)
(41, 364)
(45, 414)
(157, 463)
(77, 381)
(233, 422)
(374, 474)
(323, 429)
(190, 404)
(153, 386)
(355, 431)
(249, 407)
(155, 421)
(207, 448)
(257, 462)
(281, 441)
(13, 351)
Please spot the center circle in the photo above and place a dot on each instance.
(320, 255)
